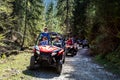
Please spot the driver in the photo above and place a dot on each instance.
(69, 41)
(44, 41)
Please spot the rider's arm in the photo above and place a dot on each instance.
(48, 36)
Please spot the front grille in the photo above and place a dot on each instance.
(45, 56)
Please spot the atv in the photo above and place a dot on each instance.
(71, 49)
(48, 55)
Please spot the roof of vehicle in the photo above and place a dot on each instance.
(54, 34)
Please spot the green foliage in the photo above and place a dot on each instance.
(103, 32)
(52, 19)
(102, 25)
(3, 56)
(80, 17)
(114, 57)
(50, 16)
(34, 19)
(98, 21)
(16, 14)
(111, 61)
(8, 65)
(65, 14)
(6, 8)
(1, 38)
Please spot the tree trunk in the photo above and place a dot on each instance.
(24, 35)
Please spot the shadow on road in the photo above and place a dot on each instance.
(42, 72)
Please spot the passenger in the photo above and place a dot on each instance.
(45, 33)
(44, 41)
(69, 41)
(57, 42)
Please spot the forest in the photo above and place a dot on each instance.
(98, 21)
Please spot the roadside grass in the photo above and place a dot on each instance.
(12, 68)
(110, 66)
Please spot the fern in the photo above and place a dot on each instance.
(1, 38)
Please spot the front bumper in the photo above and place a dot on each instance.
(46, 59)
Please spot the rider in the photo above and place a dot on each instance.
(69, 41)
(57, 42)
(45, 33)
(44, 41)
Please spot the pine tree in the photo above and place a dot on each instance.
(65, 13)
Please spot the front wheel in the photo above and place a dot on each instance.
(59, 68)
(66, 52)
(73, 52)
(32, 62)
(64, 58)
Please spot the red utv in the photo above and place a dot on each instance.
(71, 49)
(48, 55)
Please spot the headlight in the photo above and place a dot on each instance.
(71, 46)
(38, 52)
(36, 47)
(53, 54)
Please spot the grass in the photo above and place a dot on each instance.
(12, 68)
(110, 66)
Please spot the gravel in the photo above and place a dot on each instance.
(79, 67)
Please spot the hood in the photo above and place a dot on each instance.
(47, 48)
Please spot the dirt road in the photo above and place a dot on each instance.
(79, 67)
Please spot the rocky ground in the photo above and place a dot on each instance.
(79, 67)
